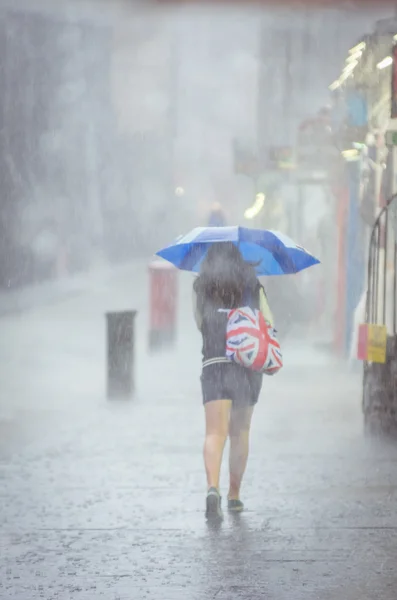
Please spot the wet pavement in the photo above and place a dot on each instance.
(105, 499)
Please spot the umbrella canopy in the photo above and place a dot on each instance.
(273, 252)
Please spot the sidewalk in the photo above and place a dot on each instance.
(54, 355)
(49, 292)
(105, 499)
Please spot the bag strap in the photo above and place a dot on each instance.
(264, 306)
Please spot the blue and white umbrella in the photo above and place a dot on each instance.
(272, 251)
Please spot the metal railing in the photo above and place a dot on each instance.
(382, 269)
(379, 401)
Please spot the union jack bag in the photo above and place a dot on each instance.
(251, 341)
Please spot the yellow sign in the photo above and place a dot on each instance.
(377, 342)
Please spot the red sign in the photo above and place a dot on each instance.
(163, 296)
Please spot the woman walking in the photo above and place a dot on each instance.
(230, 391)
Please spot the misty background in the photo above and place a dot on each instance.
(119, 125)
(117, 122)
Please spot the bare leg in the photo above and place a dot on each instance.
(216, 430)
(239, 431)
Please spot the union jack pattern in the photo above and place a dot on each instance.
(251, 341)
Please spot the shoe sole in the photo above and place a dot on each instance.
(236, 510)
(213, 510)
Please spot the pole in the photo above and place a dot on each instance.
(288, 99)
(299, 215)
(263, 107)
(393, 227)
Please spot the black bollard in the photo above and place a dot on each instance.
(120, 353)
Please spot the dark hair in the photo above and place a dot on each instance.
(224, 277)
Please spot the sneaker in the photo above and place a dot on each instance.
(234, 505)
(213, 505)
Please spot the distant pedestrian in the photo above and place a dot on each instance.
(217, 217)
(230, 391)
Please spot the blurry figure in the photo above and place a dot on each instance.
(229, 390)
(217, 216)
(45, 248)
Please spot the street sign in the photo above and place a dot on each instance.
(391, 138)
(282, 157)
(247, 161)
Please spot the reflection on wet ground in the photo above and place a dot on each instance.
(106, 499)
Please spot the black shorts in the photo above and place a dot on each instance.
(230, 382)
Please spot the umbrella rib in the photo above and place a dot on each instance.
(287, 260)
(192, 256)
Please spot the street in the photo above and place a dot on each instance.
(105, 499)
